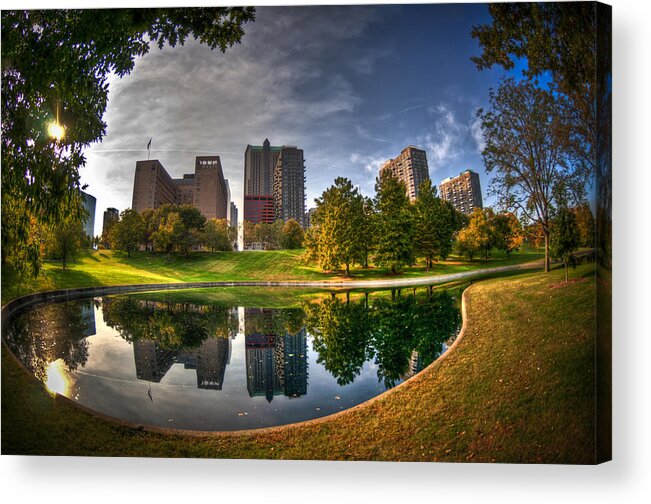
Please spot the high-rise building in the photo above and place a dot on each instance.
(210, 187)
(213, 355)
(205, 189)
(464, 191)
(152, 186)
(90, 203)
(228, 200)
(409, 167)
(111, 216)
(185, 189)
(259, 209)
(259, 163)
(233, 220)
(289, 185)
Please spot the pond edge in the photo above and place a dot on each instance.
(72, 294)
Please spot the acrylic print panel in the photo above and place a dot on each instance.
(376, 232)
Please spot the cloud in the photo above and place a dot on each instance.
(477, 135)
(452, 134)
(284, 81)
(399, 112)
(364, 133)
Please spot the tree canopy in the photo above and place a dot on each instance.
(55, 69)
(526, 151)
(556, 39)
(336, 236)
(394, 223)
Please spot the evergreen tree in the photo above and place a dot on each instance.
(337, 234)
(395, 228)
(435, 223)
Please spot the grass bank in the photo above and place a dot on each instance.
(109, 268)
(519, 387)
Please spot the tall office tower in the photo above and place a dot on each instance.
(259, 209)
(210, 187)
(152, 186)
(90, 203)
(409, 167)
(233, 221)
(228, 200)
(464, 191)
(111, 216)
(152, 361)
(213, 355)
(289, 185)
(295, 363)
(259, 163)
(185, 189)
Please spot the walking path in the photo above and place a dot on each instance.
(69, 294)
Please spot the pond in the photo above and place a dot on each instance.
(206, 360)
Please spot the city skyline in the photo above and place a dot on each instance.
(352, 86)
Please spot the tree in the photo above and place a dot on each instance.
(586, 224)
(167, 233)
(507, 232)
(128, 233)
(188, 235)
(395, 229)
(368, 230)
(425, 221)
(217, 235)
(466, 245)
(336, 236)
(478, 237)
(55, 68)
(565, 237)
(251, 233)
(64, 240)
(526, 150)
(436, 222)
(557, 39)
(292, 237)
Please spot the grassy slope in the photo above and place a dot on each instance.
(519, 387)
(107, 268)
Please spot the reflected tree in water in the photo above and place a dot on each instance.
(403, 335)
(51, 332)
(340, 333)
(171, 325)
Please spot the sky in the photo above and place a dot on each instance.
(350, 85)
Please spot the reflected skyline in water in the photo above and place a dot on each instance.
(171, 362)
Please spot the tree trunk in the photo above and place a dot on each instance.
(347, 269)
(566, 272)
(546, 252)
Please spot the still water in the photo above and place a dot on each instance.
(190, 360)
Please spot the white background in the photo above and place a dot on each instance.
(626, 479)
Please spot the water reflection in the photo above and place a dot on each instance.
(333, 352)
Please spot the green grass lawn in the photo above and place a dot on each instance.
(518, 387)
(109, 268)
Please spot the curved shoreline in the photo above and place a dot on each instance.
(262, 430)
(81, 292)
